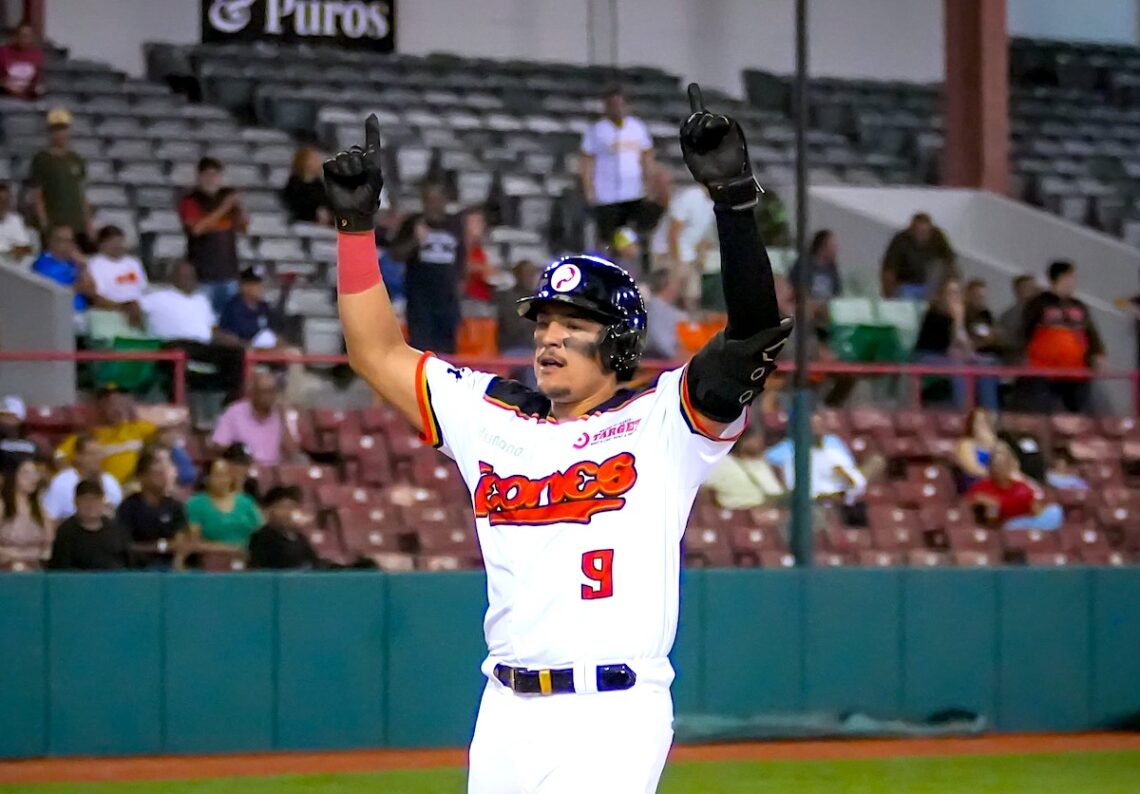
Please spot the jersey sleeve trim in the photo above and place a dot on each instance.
(696, 422)
(431, 433)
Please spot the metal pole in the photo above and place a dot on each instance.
(801, 401)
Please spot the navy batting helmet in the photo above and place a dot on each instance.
(604, 292)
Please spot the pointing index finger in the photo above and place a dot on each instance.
(696, 101)
(372, 132)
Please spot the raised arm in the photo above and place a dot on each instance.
(729, 372)
(376, 347)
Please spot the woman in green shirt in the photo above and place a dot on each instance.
(220, 513)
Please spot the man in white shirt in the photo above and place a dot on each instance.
(834, 473)
(118, 277)
(185, 319)
(15, 239)
(616, 159)
(693, 245)
(59, 499)
(664, 316)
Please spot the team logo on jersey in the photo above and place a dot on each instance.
(613, 431)
(573, 496)
(565, 278)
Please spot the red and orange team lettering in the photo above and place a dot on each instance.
(573, 496)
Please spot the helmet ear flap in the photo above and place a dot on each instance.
(620, 348)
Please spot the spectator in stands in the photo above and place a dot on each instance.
(117, 433)
(658, 197)
(171, 439)
(25, 529)
(1011, 323)
(625, 251)
(90, 540)
(280, 544)
(212, 216)
(59, 501)
(1008, 499)
(823, 279)
(944, 340)
(184, 319)
(259, 422)
(304, 194)
(663, 292)
(15, 238)
(974, 449)
(21, 64)
(152, 515)
(834, 473)
(480, 270)
(744, 479)
(62, 262)
(1060, 332)
(1130, 305)
(241, 465)
(693, 247)
(980, 320)
(118, 280)
(220, 513)
(14, 445)
(917, 257)
(58, 178)
(515, 334)
(615, 160)
(247, 319)
(430, 244)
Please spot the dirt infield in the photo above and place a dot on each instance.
(84, 770)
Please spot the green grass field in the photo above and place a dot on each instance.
(1096, 773)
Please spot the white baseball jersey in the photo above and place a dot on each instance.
(579, 520)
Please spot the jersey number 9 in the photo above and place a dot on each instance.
(598, 566)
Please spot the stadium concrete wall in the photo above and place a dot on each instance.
(712, 41)
(36, 314)
(123, 664)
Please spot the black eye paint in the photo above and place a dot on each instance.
(589, 349)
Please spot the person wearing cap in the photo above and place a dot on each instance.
(15, 238)
(248, 319)
(280, 543)
(116, 431)
(13, 445)
(241, 464)
(615, 161)
(58, 178)
(90, 540)
(626, 250)
(59, 500)
(21, 64)
(117, 278)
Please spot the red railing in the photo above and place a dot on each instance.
(502, 365)
(177, 357)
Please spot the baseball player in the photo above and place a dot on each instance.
(582, 488)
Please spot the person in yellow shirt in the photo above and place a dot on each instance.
(120, 435)
(744, 480)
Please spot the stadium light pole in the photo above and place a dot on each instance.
(801, 398)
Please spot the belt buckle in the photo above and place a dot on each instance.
(511, 679)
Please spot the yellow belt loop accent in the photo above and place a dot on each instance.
(544, 683)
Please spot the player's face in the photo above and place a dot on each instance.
(566, 360)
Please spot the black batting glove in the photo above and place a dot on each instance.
(353, 181)
(717, 156)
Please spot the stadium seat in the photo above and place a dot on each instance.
(772, 558)
(749, 544)
(877, 558)
(926, 558)
(896, 537)
(1029, 541)
(373, 466)
(967, 538)
(846, 540)
(438, 473)
(1048, 558)
(707, 547)
(974, 558)
(831, 559)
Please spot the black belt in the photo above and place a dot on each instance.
(610, 678)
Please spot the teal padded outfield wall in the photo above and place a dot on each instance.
(114, 664)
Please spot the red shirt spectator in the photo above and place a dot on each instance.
(21, 64)
(1014, 498)
(479, 266)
